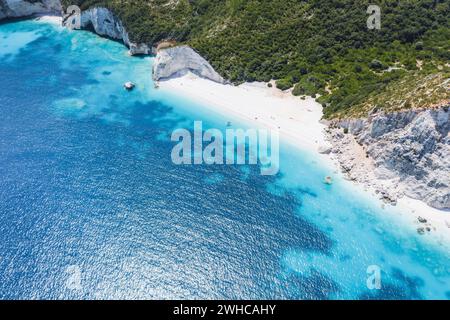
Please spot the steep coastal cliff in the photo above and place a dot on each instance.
(105, 23)
(21, 8)
(177, 61)
(169, 62)
(101, 20)
(400, 153)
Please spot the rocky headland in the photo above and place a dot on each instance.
(178, 61)
(397, 154)
(20, 8)
(104, 23)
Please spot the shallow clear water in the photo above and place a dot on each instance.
(88, 189)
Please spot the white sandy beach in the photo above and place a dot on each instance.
(295, 119)
(298, 122)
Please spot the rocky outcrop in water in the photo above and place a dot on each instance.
(177, 61)
(21, 8)
(402, 153)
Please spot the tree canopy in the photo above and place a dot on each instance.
(315, 47)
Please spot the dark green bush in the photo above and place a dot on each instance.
(284, 84)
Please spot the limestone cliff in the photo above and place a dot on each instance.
(105, 23)
(177, 61)
(101, 20)
(168, 63)
(22, 8)
(405, 153)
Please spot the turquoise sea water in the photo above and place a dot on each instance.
(91, 205)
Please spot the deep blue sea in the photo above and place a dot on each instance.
(92, 207)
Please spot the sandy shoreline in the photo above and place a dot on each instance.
(298, 122)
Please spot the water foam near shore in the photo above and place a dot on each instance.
(87, 182)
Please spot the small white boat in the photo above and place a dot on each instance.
(129, 85)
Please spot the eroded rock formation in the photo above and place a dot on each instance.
(177, 61)
(409, 150)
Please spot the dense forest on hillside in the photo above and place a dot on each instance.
(315, 47)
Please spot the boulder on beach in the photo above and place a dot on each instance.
(324, 150)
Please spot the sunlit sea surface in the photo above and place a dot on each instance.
(91, 205)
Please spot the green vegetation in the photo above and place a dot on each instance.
(316, 47)
(415, 90)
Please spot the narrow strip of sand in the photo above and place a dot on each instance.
(298, 122)
(53, 19)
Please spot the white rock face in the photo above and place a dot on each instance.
(411, 149)
(102, 20)
(105, 23)
(177, 61)
(169, 62)
(21, 8)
